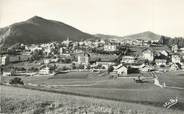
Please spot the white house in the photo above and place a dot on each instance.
(9, 72)
(109, 47)
(88, 43)
(181, 50)
(146, 68)
(175, 58)
(18, 58)
(50, 60)
(174, 48)
(45, 71)
(160, 62)
(128, 59)
(118, 66)
(47, 50)
(121, 70)
(182, 66)
(67, 42)
(147, 54)
(127, 41)
(164, 52)
(61, 51)
(83, 58)
(102, 41)
(174, 67)
(46, 61)
(78, 51)
(33, 47)
(105, 64)
(137, 42)
(4, 60)
(81, 43)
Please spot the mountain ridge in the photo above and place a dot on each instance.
(39, 30)
(147, 35)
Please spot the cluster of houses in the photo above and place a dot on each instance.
(108, 54)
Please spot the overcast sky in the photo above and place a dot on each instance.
(116, 17)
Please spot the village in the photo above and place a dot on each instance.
(91, 57)
(117, 58)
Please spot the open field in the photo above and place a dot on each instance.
(173, 78)
(26, 101)
(26, 64)
(122, 89)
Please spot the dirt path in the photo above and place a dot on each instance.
(174, 87)
(76, 85)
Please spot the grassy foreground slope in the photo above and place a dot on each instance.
(123, 89)
(19, 100)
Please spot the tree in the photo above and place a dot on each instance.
(34, 69)
(64, 68)
(164, 40)
(16, 81)
(81, 66)
(110, 69)
(103, 67)
(172, 41)
(66, 60)
(99, 66)
(133, 70)
(146, 62)
(37, 54)
(1, 70)
(88, 67)
(73, 66)
(125, 50)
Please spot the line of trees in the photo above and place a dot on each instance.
(164, 40)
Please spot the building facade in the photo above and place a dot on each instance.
(147, 54)
(109, 47)
(83, 58)
(175, 59)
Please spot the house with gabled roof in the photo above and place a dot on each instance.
(128, 59)
(120, 70)
(148, 54)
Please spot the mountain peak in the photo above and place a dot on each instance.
(36, 18)
(147, 35)
(148, 32)
(39, 30)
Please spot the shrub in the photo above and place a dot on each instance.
(16, 81)
(65, 68)
(162, 66)
(81, 66)
(110, 69)
(133, 70)
(73, 66)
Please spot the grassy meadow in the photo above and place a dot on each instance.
(120, 90)
(19, 100)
